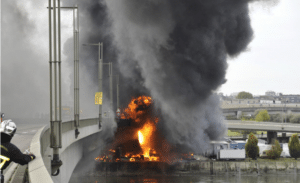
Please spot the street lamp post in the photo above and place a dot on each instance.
(110, 87)
(76, 66)
(76, 63)
(55, 86)
(118, 95)
(100, 74)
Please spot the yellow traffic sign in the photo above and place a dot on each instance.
(98, 98)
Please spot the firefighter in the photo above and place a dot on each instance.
(9, 152)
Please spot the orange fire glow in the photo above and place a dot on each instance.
(141, 137)
(143, 131)
(144, 134)
(131, 111)
(145, 138)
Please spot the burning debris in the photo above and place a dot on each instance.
(140, 140)
(137, 140)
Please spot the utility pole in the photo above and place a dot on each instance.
(76, 70)
(111, 86)
(100, 75)
(55, 86)
(118, 92)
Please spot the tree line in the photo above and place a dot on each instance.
(252, 149)
(261, 115)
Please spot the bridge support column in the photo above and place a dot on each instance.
(271, 136)
(239, 114)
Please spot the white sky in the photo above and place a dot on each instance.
(272, 62)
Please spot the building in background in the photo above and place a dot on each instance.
(270, 93)
(290, 99)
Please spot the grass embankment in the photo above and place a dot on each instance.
(236, 133)
(286, 160)
(233, 134)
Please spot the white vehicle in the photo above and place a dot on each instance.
(235, 154)
(263, 148)
(285, 151)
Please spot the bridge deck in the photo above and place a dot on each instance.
(263, 126)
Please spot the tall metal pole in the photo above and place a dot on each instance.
(59, 76)
(55, 88)
(78, 109)
(100, 75)
(118, 95)
(111, 87)
(50, 60)
(75, 82)
(55, 59)
(76, 69)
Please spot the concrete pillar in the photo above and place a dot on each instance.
(271, 136)
(239, 114)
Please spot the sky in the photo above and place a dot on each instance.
(272, 60)
(270, 63)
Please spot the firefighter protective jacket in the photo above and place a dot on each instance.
(9, 153)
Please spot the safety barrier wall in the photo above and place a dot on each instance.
(71, 152)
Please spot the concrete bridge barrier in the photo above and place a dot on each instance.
(71, 152)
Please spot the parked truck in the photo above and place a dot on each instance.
(231, 154)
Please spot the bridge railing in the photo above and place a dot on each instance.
(39, 170)
(236, 106)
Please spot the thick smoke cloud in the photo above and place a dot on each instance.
(180, 50)
(174, 51)
(25, 92)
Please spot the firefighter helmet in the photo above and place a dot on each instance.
(8, 127)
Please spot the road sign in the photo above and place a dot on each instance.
(98, 98)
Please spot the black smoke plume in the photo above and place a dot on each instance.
(175, 51)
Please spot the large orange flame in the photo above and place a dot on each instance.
(147, 143)
(141, 137)
(142, 130)
(131, 111)
(134, 111)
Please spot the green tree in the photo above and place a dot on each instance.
(276, 117)
(263, 115)
(257, 111)
(251, 147)
(294, 146)
(295, 119)
(275, 152)
(244, 95)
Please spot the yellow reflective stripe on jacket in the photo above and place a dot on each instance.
(4, 158)
(4, 148)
